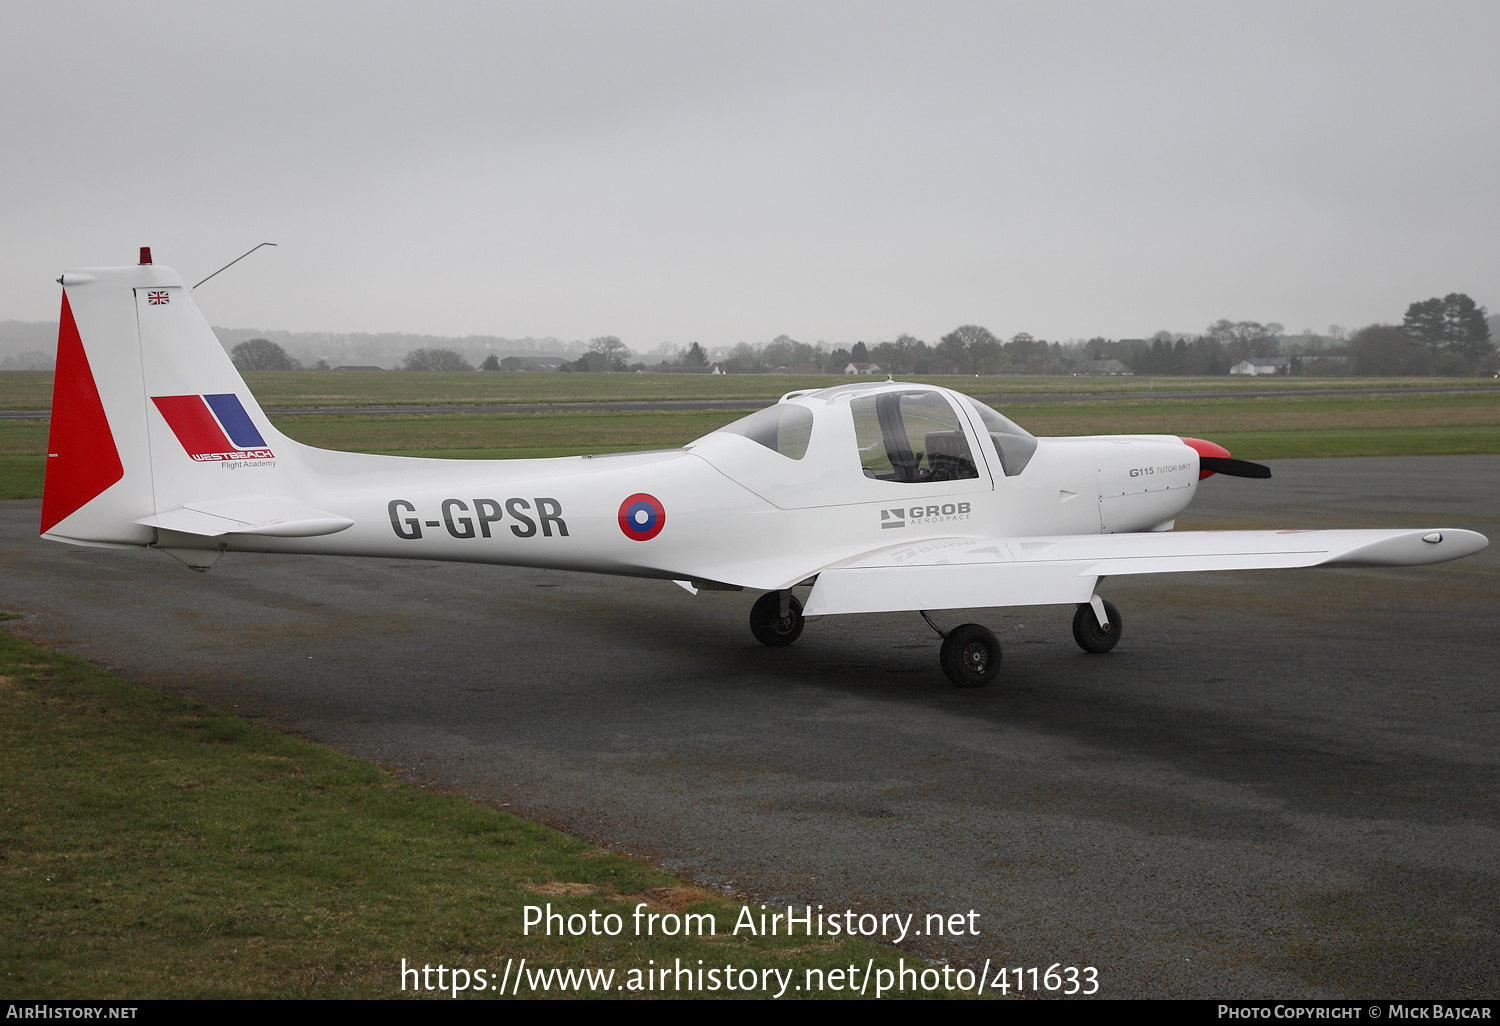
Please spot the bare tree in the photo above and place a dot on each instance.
(1244, 339)
(1386, 349)
(745, 359)
(436, 360)
(971, 348)
(260, 354)
(614, 351)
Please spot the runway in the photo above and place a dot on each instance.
(1280, 784)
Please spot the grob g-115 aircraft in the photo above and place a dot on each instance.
(877, 496)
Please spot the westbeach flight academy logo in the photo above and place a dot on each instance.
(642, 517)
(934, 514)
(213, 427)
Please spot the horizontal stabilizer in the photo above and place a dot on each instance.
(277, 518)
(969, 573)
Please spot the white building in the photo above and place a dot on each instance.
(863, 368)
(1269, 365)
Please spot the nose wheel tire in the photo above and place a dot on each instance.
(1090, 636)
(970, 656)
(769, 626)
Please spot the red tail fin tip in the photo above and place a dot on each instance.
(82, 459)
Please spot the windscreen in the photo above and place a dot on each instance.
(785, 428)
(1013, 443)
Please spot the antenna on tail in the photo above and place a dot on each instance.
(146, 259)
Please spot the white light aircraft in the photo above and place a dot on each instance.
(876, 496)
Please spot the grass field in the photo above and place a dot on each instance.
(32, 390)
(1278, 427)
(158, 848)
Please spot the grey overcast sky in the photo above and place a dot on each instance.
(727, 172)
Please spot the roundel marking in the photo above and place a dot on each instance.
(642, 517)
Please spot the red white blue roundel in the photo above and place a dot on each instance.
(642, 517)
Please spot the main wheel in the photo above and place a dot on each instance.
(769, 626)
(1089, 635)
(970, 656)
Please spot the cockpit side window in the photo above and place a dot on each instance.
(911, 438)
(1013, 443)
(785, 428)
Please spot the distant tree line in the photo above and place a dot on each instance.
(1447, 336)
(1451, 335)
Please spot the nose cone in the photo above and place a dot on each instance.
(1206, 449)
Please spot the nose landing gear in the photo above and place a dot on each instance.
(1092, 635)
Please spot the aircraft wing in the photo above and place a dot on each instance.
(967, 573)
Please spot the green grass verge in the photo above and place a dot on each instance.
(1416, 441)
(32, 390)
(1208, 417)
(153, 847)
(22, 474)
(25, 390)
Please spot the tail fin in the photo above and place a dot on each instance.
(149, 415)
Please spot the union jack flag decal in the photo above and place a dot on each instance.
(158, 298)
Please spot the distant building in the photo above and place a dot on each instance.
(359, 366)
(1268, 365)
(1105, 367)
(532, 363)
(863, 368)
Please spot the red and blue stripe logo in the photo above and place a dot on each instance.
(213, 427)
(642, 517)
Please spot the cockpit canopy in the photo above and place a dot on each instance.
(909, 435)
(832, 446)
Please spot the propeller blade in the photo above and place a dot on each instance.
(1232, 467)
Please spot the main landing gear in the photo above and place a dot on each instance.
(776, 619)
(970, 654)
